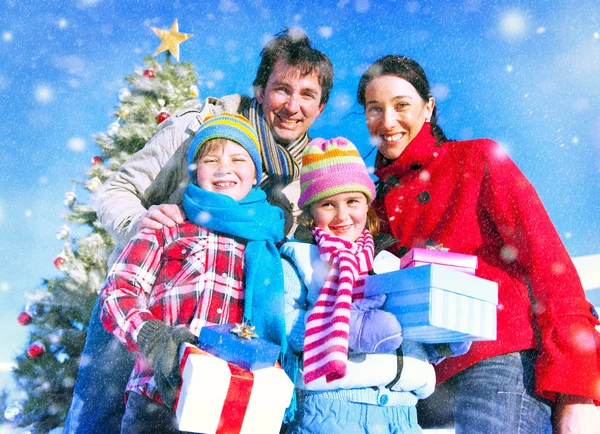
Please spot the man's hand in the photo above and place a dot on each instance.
(158, 216)
(575, 414)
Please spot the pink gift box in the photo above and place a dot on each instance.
(460, 262)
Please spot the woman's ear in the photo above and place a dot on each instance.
(429, 109)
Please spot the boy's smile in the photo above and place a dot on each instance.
(228, 170)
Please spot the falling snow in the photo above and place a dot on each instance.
(44, 94)
(76, 144)
(513, 24)
(526, 78)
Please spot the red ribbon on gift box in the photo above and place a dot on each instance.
(237, 398)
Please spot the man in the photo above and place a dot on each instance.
(292, 86)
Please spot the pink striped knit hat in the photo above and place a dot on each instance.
(330, 167)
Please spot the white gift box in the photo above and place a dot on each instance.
(217, 397)
(436, 304)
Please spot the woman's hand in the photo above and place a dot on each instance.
(158, 216)
(575, 415)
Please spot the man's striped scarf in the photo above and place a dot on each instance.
(328, 322)
(280, 162)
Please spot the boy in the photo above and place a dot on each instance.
(168, 283)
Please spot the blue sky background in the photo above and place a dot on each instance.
(525, 73)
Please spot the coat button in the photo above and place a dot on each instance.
(424, 197)
(393, 181)
(383, 398)
(415, 166)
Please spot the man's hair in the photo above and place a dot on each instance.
(293, 47)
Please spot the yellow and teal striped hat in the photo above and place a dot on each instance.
(230, 126)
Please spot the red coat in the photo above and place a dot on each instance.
(470, 197)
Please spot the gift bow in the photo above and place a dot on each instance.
(438, 247)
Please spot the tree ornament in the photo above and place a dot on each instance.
(63, 232)
(170, 39)
(36, 350)
(113, 128)
(24, 319)
(124, 94)
(69, 199)
(162, 116)
(194, 92)
(59, 261)
(13, 412)
(93, 184)
(123, 112)
(149, 73)
(97, 160)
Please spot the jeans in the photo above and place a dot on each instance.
(98, 399)
(145, 416)
(494, 396)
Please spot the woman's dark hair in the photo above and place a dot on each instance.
(409, 70)
(294, 48)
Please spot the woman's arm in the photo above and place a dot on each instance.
(568, 360)
(575, 415)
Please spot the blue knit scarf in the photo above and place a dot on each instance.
(253, 219)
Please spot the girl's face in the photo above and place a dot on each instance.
(395, 113)
(343, 215)
(228, 170)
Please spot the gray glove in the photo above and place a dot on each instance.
(373, 330)
(160, 345)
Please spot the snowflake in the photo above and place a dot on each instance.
(76, 144)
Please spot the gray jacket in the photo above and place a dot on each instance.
(158, 174)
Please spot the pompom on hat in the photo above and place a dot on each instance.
(330, 167)
(229, 126)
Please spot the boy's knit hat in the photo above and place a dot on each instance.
(234, 127)
(330, 167)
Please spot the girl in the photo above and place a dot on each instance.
(357, 374)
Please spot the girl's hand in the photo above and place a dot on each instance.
(575, 414)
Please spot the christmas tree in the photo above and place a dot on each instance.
(58, 313)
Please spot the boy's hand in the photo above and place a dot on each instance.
(158, 216)
(373, 330)
(160, 345)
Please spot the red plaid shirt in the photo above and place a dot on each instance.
(185, 276)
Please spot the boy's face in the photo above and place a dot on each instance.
(228, 170)
(290, 102)
(343, 215)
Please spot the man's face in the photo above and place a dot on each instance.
(290, 102)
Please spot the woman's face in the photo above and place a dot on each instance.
(395, 113)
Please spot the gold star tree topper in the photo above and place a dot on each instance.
(170, 39)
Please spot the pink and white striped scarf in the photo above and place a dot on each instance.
(328, 322)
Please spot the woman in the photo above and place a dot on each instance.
(470, 197)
